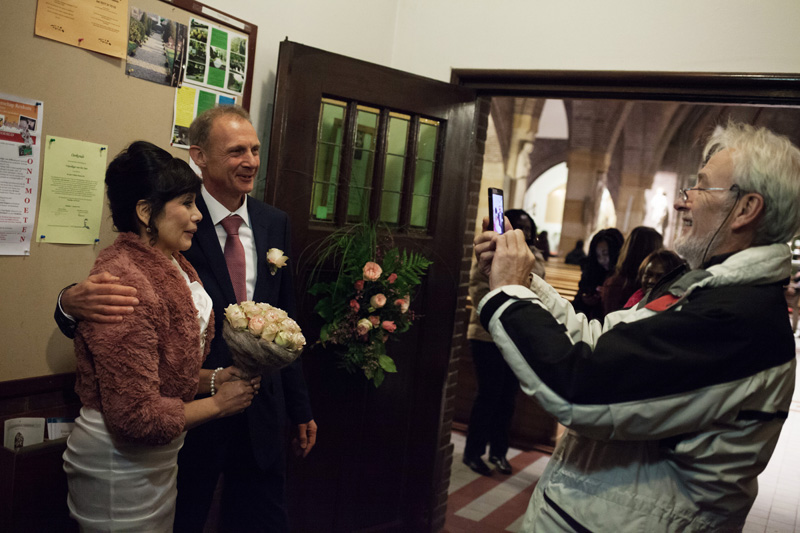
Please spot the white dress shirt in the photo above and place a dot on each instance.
(218, 212)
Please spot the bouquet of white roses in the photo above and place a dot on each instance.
(261, 338)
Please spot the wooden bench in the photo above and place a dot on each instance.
(562, 277)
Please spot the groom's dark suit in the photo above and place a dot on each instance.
(247, 447)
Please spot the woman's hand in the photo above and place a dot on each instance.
(234, 396)
(230, 373)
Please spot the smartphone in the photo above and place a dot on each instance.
(496, 209)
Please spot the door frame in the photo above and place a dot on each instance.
(770, 89)
(780, 89)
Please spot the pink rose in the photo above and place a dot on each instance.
(363, 326)
(392, 278)
(374, 320)
(256, 325)
(402, 304)
(359, 285)
(372, 271)
(389, 326)
(378, 301)
(354, 305)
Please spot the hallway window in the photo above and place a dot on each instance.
(329, 150)
(424, 172)
(394, 169)
(374, 164)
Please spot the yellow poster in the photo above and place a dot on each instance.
(97, 25)
(72, 191)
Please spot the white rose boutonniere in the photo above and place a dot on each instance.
(276, 260)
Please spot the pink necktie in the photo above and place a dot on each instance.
(234, 256)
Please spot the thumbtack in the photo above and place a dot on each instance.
(80, 40)
(41, 236)
(96, 241)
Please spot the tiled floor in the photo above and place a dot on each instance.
(496, 504)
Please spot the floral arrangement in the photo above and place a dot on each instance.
(260, 337)
(368, 304)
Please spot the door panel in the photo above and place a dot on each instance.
(373, 465)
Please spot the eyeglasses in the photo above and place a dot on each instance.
(685, 192)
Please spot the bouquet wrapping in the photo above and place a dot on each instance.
(261, 338)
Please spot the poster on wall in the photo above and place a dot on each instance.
(217, 57)
(98, 26)
(156, 47)
(190, 101)
(72, 191)
(20, 136)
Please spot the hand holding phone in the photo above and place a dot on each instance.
(496, 210)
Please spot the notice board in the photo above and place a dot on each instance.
(89, 97)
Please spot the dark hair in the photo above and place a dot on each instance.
(668, 259)
(143, 171)
(593, 273)
(515, 215)
(637, 246)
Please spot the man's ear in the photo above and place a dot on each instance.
(198, 156)
(749, 210)
(143, 212)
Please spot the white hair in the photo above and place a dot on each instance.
(767, 164)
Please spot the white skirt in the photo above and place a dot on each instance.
(119, 486)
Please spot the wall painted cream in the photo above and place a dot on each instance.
(363, 30)
(676, 35)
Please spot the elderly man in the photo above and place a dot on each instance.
(247, 448)
(673, 407)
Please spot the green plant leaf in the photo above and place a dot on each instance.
(377, 378)
(387, 363)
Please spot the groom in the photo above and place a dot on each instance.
(246, 448)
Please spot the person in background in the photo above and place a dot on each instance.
(137, 380)
(674, 407)
(493, 408)
(604, 251)
(619, 286)
(792, 292)
(248, 448)
(576, 256)
(654, 267)
(543, 244)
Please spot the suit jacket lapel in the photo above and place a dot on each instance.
(208, 243)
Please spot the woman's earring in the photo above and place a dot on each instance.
(149, 230)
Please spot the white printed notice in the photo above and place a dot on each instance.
(20, 140)
(72, 191)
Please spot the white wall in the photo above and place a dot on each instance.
(356, 28)
(429, 37)
(666, 35)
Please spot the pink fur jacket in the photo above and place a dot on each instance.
(140, 371)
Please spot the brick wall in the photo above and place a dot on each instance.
(445, 452)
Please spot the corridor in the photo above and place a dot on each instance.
(496, 504)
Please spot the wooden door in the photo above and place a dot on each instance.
(374, 462)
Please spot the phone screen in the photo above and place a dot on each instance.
(496, 209)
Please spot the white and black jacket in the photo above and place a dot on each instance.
(673, 408)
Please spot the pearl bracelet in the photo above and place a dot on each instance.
(214, 377)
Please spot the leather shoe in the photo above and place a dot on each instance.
(501, 464)
(477, 465)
